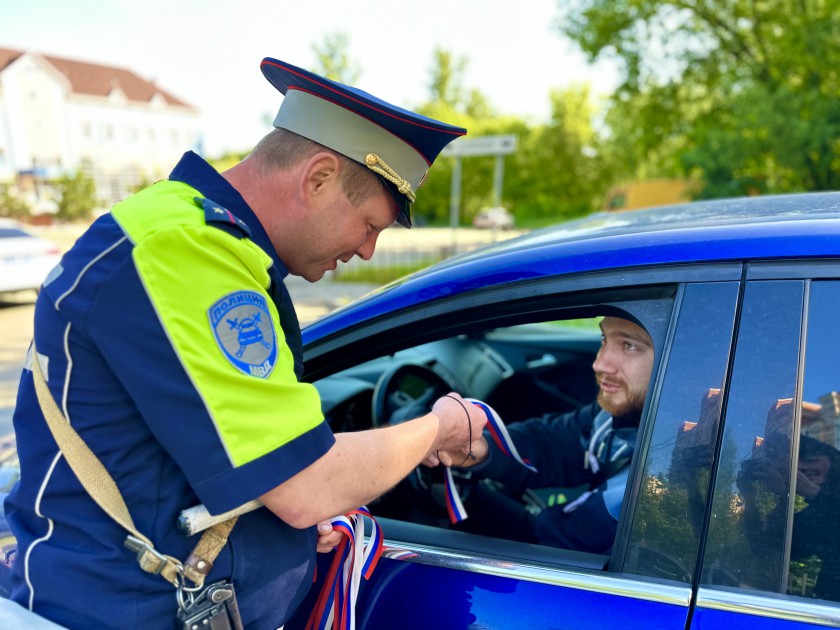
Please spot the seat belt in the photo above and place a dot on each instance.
(104, 491)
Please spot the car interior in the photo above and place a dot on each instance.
(520, 369)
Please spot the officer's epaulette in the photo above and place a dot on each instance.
(220, 217)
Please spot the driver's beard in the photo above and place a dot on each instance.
(631, 406)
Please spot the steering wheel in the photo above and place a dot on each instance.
(408, 391)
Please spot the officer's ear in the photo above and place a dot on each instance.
(320, 172)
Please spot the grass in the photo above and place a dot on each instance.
(590, 323)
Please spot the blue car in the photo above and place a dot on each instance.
(741, 299)
(730, 509)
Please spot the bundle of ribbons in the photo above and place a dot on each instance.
(354, 559)
(499, 434)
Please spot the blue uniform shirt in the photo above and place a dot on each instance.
(171, 345)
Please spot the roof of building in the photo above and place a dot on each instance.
(94, 79)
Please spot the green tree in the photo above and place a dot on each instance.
(556, 173)
(450, 100)
(740, 93)
(76, 196)
(559, 171)
(11, 205)
(334, 59)
(446, 86)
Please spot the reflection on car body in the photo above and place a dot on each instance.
(739, 298)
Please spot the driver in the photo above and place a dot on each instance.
(589, 446)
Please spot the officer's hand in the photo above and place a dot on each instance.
(462, 458)
(461, 423)
(328, 538)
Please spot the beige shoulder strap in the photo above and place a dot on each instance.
(104, 491)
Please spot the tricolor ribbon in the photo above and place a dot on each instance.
(354, 559)
(501, 437)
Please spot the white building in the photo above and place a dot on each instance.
(58, 116)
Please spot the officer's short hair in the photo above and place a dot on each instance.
(282, 148)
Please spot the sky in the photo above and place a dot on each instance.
(207, 52)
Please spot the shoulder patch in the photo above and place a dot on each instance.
(222, 218)
(242, 325)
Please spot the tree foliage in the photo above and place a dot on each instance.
(739, 96)
(556, 172)
(739, 93)
(11, 205)
(561, 168)
(564, 173)
(334, 60)
(76, 196)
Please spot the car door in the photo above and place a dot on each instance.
(772, 549)
(437, 578)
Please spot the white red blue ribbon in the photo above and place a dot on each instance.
(501, 437)
(454, 506)
(354, 559)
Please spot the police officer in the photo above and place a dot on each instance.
(170, 344)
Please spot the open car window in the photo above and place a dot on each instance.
(543, 366)
(523, 371)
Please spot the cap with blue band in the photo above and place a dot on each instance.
(396, 144)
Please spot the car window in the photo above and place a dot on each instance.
(814, 564)
(747, 537)
(13, 233)
(540, 372)
(668, 519)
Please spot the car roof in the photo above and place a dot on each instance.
(796, 226)
(15, 229)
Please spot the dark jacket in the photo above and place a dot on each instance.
(557, 445)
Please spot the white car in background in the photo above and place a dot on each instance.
(494, 218)
(25, 259)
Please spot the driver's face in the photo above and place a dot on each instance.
(622, 366)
